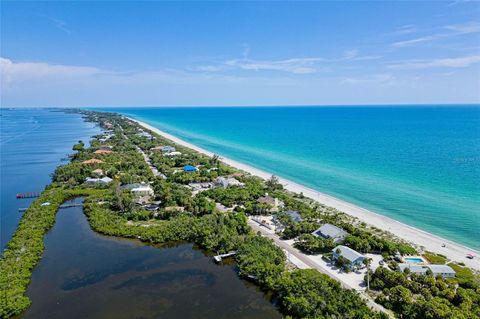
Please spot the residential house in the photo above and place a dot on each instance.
(98, 172)
(139, 189)
(331, 231)
(142, 133)
(190, 168)
(274, 203)
(442, 270)
(198, 187)
(103, 152)
(225, 182)
(98, 181)
(93, 161)
(175, 153)
(294, 216)
(167, 149)
(354, 258)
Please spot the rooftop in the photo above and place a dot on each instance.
(348, 253)
(330, 231)
(93, 161)
(294, 216)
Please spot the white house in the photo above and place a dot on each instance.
(225, 182)
(174, 153)
(442, 270)
(98, 181)
(139, 189)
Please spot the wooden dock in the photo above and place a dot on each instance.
(59, 207)
(218, 258)
(28, 195)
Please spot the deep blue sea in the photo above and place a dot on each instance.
(418, 164)
(32, 143)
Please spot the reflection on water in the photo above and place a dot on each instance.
(86, 275)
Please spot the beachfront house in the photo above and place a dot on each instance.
(190, 168)
(224, 182)
(442, 270)
(167, 149)
(331, 231)
(142, 133)
(98, 181)
(274, 203)
(175, 153)
(353, 258)
(139, 189)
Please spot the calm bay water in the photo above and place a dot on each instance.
(85, 275)
(418, 165)
(104, 277)
(33, 143)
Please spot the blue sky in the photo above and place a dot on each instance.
(152, 53)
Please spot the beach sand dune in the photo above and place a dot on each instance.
(430, 242)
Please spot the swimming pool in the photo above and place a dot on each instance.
(414, 260)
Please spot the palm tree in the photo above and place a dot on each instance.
(272, 183)
(367, 261)
(215, 160)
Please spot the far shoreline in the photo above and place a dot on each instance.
(430, 242)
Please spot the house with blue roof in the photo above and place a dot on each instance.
(190, 168)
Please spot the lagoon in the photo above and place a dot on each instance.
(86, 275)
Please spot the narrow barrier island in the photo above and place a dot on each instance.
(137, 184)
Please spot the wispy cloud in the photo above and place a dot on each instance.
(294, 65)
(380, 79)
(452, 30)
(411, 42)
(405, 29)
(59, 24)
(470, 27)
(458, 62)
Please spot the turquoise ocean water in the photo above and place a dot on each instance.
(419, 165)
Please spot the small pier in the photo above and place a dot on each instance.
(59, 207)
(28, 195)
(218, 258)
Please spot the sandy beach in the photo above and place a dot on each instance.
(430, 242)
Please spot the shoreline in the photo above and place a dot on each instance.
(453, 251)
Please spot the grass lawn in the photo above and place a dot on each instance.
(434, 258)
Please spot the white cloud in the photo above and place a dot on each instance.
(21, 71)
(455, 30)
(411, 42)
(210, 68)
(383, 79)
(350, 54)
(460, 62)
(470, 27)
(405, 29)
(296, 65)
